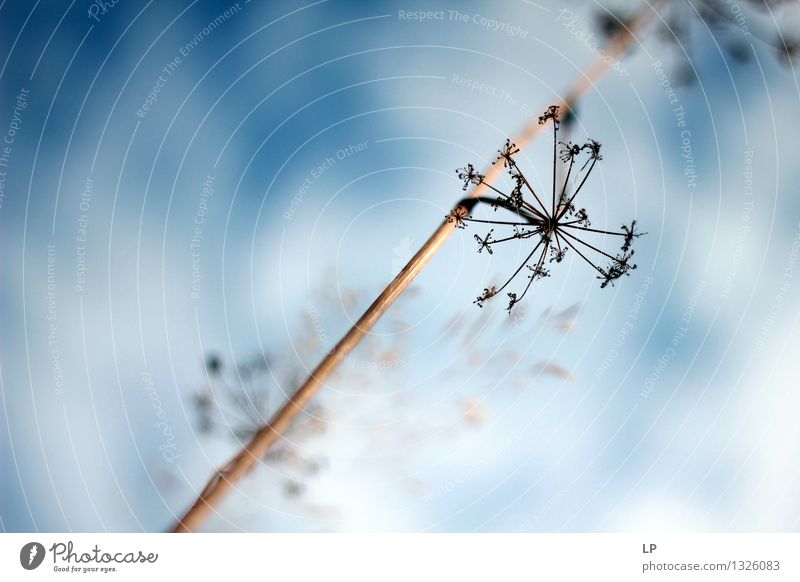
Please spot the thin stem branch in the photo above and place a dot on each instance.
(526, 204)
(578, 189)
(511, 208)
(581, 255)
(536, 270)
(525, 262)
(570, 225)
(521, 235)
(555, 163)
(498, 222)
(594, 248)
(566, 182)
(532, 191)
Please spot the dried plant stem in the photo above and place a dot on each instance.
(226, 477)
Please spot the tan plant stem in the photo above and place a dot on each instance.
(226, 477)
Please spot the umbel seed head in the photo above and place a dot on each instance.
(552, 228)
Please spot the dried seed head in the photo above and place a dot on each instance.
(457, 217)
(469, 176)
(554, 228)
(488, 293)
(550, 113)
(485, 242)
(506, 154)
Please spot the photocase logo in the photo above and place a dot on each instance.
(31, 555)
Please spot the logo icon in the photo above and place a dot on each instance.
(31, 555)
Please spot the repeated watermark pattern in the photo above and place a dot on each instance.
(490, 24)
(627, 327)
(743, 233)
(81, 235)
(52, 323)
(671, 350)
(473, 470)
(351, 362)
(172, 66)
(318, 171)
(10, 136)
(689, 165)
(569, 20)
(197, 233)
(100, 8)
(779, 299)
(504, 97)
(168, 448)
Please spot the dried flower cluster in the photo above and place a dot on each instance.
(237, 398)
(553, 228)
(238, 401)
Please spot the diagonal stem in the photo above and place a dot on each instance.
(225, 479)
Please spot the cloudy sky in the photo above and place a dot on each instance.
(189, 179)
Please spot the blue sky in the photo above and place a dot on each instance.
(326, 135)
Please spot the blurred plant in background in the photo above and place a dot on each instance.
(240, 397)
(733, 24)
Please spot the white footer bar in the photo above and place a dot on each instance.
(390, 557)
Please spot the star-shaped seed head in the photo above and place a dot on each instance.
(553, 226)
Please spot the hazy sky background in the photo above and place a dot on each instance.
(327, 135)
